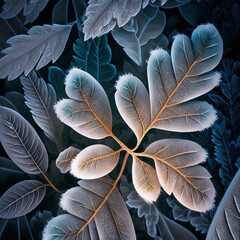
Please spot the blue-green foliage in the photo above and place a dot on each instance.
(94, 56)
(158, 226)
(226, 132)
(56, 77)
(200, 221)
(226, 151)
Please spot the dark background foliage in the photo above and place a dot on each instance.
(222, 141)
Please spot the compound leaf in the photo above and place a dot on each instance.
(225, 224)
(40, 98)
(21, 198)
(178, 173)
(185, 75)
(21, 142)
(88, 111)
(40, 46)
(94, 162)
(113, 221)
(65, 158)
(133, 103)
(145, 180)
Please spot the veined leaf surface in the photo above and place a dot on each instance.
(40, 98)
(112, 222)
(178, 173)
(186, 74)
(94, 162)
(187, 117)
(40, 46)
(132, 101)
(145, 180)
(102, 16)
(88, 111)
(226, 222)
(22, 143)
(94, 56)
(63, 227)
(21, 198)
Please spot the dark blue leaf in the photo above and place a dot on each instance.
(7, 166)
(39, 221)
(60, 12)
(6, 103)
(200, 221)
(155, 221)
(94, 56)
(31, 9)
(196, 12)
(19, 102)
(56, 77)
(79, 9)
(10, 28)
(224, 150)
(16, 229)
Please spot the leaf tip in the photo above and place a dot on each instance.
(121, 80)
(157, 51)
(72, 73)
(217, 78)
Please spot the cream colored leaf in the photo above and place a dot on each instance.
(94, 162)
(64, 160)
(133, 103)
(112, 222)
(145, 180)
(88, 111)
(187, 117)
(178, 173)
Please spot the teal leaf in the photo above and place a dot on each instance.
(94, 56)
